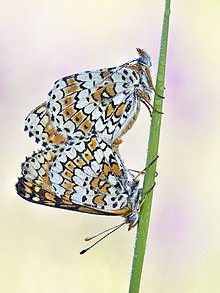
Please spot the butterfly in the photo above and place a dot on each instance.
(86, 175)
(104, 101)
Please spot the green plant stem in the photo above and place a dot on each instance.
(152, 153)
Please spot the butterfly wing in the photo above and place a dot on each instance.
(34, 185)
(39, 126)
(36, 193)
(90, 173)
(103, 101)
(86, 176)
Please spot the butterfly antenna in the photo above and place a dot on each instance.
(90, 238)
(135, 171)
(113, 229)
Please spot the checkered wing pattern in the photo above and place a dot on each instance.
(86, 175)
(39, 126)
(92, 102)
(75, 114)
(105, 101)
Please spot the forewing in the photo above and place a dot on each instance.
(102, 101)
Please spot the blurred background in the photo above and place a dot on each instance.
(42, 41)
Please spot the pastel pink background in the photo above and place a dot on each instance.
(42, 41)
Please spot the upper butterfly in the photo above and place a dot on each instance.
(104, 101)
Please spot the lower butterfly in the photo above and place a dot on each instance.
(104, 101)
(87, 175)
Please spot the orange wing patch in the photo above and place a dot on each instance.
(53, 136)
(92, 144)
(50, 197)
(97, 96)
(86, 126)
(29, 183)
(110, 90)
(104, 74)
(109, 110)
(116, 169)
(38, 194)
(68, 185)
(70, 166)
(106, 169)
(66, 102)
(67, 174)
(78, 118)
(119, 111)
(104, 188)
(70, 80)
(68, 112)
(95, 183)
(87, 156)
(71, 89)
(79, 162)
(99, 200)
(102, 176)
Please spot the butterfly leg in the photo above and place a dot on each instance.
(136, 171)
(144, 196)
(148, 108)
(145, 98)
(142, 172)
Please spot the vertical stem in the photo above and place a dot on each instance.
(152, 153)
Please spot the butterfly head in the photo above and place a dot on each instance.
(132, 220)
(144, 59)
